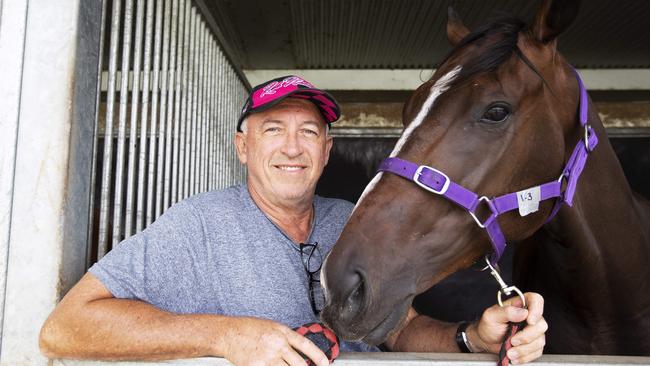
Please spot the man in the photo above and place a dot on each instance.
(228, 273)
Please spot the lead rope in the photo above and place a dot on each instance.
(513, 328)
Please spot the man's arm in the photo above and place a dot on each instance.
(423, 334)
(89, 323)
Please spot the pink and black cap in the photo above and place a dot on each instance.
(272, 92)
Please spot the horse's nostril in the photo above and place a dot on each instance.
(354, 302)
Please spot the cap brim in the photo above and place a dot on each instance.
(327, 105)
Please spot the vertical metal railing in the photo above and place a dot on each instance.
(133, 136)
(173, 125)
(105, 191)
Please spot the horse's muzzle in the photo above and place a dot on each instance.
(347, 301)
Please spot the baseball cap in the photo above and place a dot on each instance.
(272, 92)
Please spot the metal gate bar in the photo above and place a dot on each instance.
(178, 101)
(151, 166)
(146, 80)
(163, 109)
(135, 97)
(108, 142)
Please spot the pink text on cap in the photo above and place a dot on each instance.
(285, 86)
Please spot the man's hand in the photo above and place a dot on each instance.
(490, 331)
(264, 342)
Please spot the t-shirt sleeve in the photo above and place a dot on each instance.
(154, 264)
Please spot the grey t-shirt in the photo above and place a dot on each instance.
(217, 253)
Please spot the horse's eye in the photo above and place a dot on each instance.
(495, 114)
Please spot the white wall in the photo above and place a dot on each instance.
(38, 185)
(12, 36)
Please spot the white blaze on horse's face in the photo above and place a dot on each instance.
(437, 89)
(369, 188)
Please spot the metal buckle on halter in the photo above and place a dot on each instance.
(418, 173)
(505, 289)
(587, 128)
(487, 221)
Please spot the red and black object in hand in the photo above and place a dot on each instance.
(513, 328)
(322, 337)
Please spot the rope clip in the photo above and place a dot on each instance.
(505, 289)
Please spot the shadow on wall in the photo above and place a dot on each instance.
(465, 294)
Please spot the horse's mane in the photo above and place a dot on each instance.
(498, 39)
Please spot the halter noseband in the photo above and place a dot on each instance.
(527, 200)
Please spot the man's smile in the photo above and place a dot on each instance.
(290, 167)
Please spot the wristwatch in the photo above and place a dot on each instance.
(461, 337)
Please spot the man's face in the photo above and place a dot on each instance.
(285, 148)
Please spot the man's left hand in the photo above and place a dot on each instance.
(488, 334)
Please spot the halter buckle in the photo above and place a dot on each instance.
(418, 173)
(487, 221)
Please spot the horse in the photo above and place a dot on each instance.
(503, 112)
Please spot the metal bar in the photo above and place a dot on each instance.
(135, 105)
(208, 112)
(218, 119)
(630, 132)
(202, 117)
(194, 105)
(184, 138)
(233, 163)
(213, 114)
(146, 83)
(154, 112)
(163, 110)
(226, 100)
(414, 359)
(199, 110)
(204, 8)
(242, 98)
(190, 114)
(213, 124)
(236, 106)
(210, 124)
(222, 121)
(170, 106)
(243, 94)
(102, 246)
(180, 70)
(206, 118)
(93, 169)
(121, 131)
(228, 121)
(231, 117)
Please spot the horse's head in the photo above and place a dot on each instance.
(497, 116)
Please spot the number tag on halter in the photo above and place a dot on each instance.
(528, 200)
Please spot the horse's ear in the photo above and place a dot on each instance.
(456, 30)
(553, 17)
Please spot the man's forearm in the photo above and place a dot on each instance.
(118, 329)
(424, 334)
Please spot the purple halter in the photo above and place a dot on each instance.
(435, 181)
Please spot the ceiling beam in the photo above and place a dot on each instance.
(410, 79)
